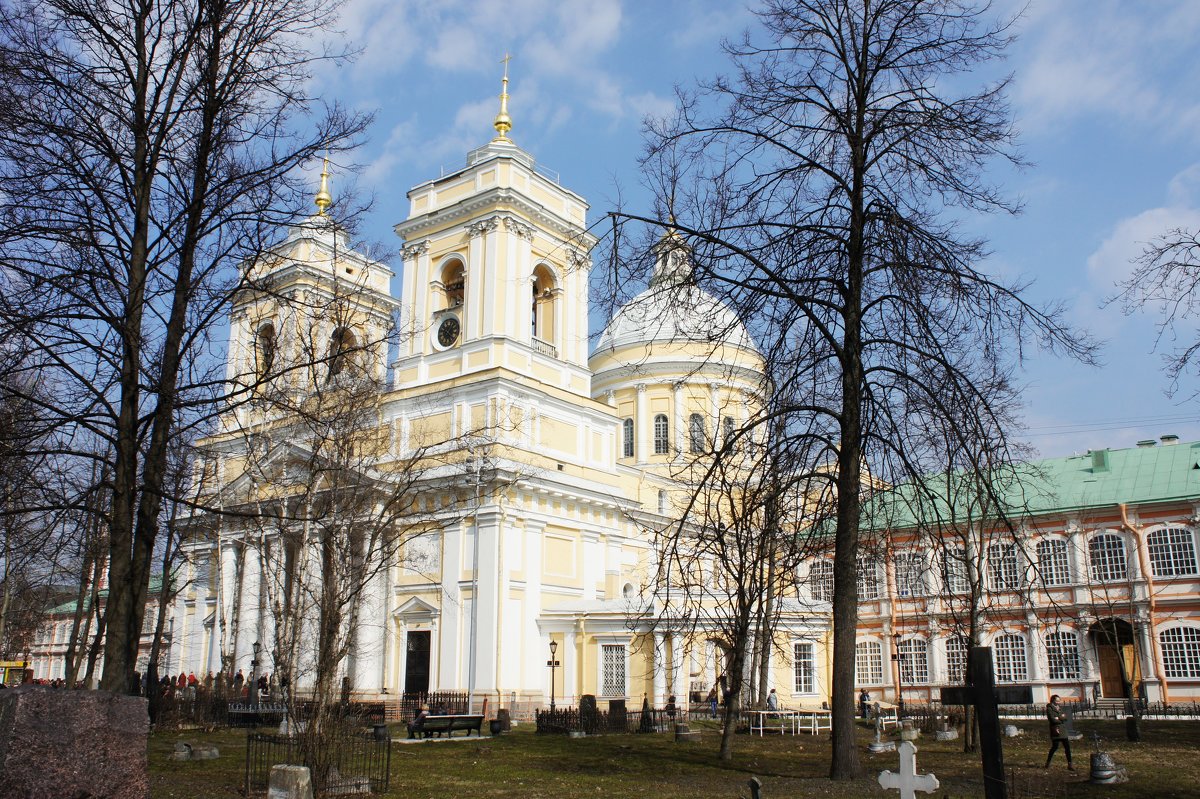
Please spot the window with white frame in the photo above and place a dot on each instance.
(868, 579)
(627, 433)
(697, 438)
(820, 580)
(956, 659)
(910, 574)
(1172, 551)
(954, 570)
(804, 667)
(661, 435)
(662, 501)
(727, 432)
(1003, 567)
(1009, 652)
(1180, 652)
(1054, 564)
(612, 678)
(914, 661)
(1062, 655)
(868, 663)
(1106, 552)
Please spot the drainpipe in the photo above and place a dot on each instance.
(1148, 574)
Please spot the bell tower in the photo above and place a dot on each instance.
(495, 270)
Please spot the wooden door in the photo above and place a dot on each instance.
(1111, 683)
(416, 663)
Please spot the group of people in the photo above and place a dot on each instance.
(188, 686)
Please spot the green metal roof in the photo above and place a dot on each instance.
(1096, 479)
(69, 606)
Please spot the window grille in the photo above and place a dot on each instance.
(820, 581)
(868, 663)
(914, 661)
(956, 659)
(805, 668)
(1054, 565)
(1009, 652)
(1181, 652)
(910, 574)
(627, 430)
(868, 580)
(661, 430)
(613, 658)
(1003, 567)
(696, 434)
(1107, 554)
(954, 570)
(1062, 655)
(1172, 552)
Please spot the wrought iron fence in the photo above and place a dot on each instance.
(592, 722)
(343, 760)
(441, 703)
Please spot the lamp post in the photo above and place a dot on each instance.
(257, 647)
(896, 656)
(553, 664)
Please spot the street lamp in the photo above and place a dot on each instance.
(553, 664)
(257, 647)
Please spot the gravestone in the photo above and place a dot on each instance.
(589, 714)
(1105, 770)
(187, 751)
(907, 780)
(946, 734)
(56, 743)
(618, 717)
(880, 745)
(908, 732)
(290, 782)
(1012, 731)
(1069, 726)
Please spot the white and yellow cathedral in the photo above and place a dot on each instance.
(581, 454)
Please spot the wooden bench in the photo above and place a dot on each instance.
(436, 725)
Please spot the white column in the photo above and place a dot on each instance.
(660, 671)
(678, 673)
(533, 658)
(569, 666)
(450, 654)
(402, 659)
(641, 425)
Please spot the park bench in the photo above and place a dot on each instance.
(436, 725)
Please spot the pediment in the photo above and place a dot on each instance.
(415, 608)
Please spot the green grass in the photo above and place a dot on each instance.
(521, 765)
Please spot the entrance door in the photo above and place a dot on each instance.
(1111, 684)
(416, 663)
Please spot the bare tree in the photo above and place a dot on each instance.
(820, 184)
(1167, 277)
(147, 148)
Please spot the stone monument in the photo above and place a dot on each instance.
(907, 780)
(880, 745)
(56, 743)
(290, 782)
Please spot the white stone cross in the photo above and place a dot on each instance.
(908, 781)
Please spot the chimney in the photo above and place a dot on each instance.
(1100, 460)
(1146, 443)
(1169, 439)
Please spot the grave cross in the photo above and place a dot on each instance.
(907, 780)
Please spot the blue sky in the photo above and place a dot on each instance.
(1104, 95)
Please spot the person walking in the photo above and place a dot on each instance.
(1057, 717)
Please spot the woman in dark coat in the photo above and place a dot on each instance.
(1056, 717)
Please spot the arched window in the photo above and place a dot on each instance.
(1009, 652)
(727, 432)
(662, 501)
(820, 580)
(264, 350)
(1003, 567)
(1062, 655)
(1172, 551)
(956, 659)
(661, 437)
(1181, 652)
(454, 283)
(868, 663)
(627, 436)
(1054, 567)
(913, 656)
(1107, 555)
(697, 438)
(342, 353)
(542, 308)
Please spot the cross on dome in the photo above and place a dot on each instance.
(503, 122)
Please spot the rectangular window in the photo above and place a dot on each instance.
(868, 663)
(1062, 655)
(613, 679)
(627, 436)
(1003, 568)
(954, 570)
(805, 668)
(914, 661)
(868, 580)
(1054, 566)
(661, 435)
(956, 660)
(1172, 552)
(1009, 653)
(910, 574)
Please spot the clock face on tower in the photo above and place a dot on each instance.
(447, 332)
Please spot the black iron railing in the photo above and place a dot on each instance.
(343, 760)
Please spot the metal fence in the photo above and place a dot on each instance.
(592, 722)
(343, 761)
(440, 703)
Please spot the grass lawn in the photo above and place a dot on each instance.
(521, 765)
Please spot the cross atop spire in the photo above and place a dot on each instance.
(503, 122)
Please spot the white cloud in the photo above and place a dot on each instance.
(1103, 59)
